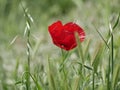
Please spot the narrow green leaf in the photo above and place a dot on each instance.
(15, 73)
(116, 75)
(18, 82)
(14, 39)
(75, 83)
(97, 57)
(112, 46)
(50, 76)
(80, 50)
(102, 38)
(86, 51)
(87, 67)
(116, 23)
(64, 59)
(36, 83)
(35, 49)
(33, 78)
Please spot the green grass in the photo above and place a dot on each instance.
(30, 61)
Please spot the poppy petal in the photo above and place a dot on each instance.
(63, 35)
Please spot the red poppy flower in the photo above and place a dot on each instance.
(63, 36)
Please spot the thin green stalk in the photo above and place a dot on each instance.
(80, 52)
(111, 50)
(112, 41)
(27, 31)
(108, 76)
(33, 78)
(64, 58)
(28, 58)
(93, 84)
(102, 38)
(51, 79)
(117, 21)
(112, 53)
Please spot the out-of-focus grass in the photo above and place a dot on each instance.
(87, 13)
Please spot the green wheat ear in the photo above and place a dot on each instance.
(27, 33)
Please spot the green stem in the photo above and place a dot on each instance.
(93, 85)
(64, 58)
(33, 78)
(28, 47)
(108, 76)
(28, 60)
(112, 53)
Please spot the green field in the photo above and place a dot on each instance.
(30, 61)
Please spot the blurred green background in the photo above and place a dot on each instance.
(86, 13)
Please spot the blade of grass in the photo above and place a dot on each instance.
(87, 67)
(112, 47)
(102, 38)
(35, 81)
(86, 51)
(2, 75)
(50, 76)
(80, 52)
(81, 56)
(15, 73)
(75, 83)
(117, 21)
(109, 74)
(111, 39)
(36, 48)
(115, 76)
(93, 84)
(97, 57)
(14, 39)
(112, 28)
(64, 59)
